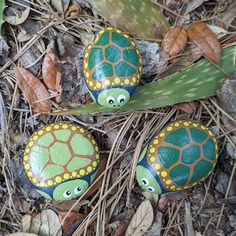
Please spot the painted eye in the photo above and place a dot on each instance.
(67, 194)
(110, 100)
(77, 190)
(151, 189)
(121, 98)
(145, 181)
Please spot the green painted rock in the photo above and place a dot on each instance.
(61, 160)
(181, 155)
(112, 68)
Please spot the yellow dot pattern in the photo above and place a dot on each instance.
(37, 180)
(114, 80)
(158, 140)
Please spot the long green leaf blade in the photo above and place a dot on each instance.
(198, 81)
(2, 7)
(141, 18)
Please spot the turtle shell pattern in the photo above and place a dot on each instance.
(181, 155)
(59, 152)
(112, 59)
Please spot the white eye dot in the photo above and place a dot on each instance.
(77, 190)
(67, 194)
(121, 98)
(151, 189)
(145, 181)
(110, 100)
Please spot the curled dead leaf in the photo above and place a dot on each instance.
(71, 218)
(51, 75)
(44, 223)
(174, 41)
(188, 107)
(141, 220)
(16, 15)
(33, 90)
(74, 10)
(206, 40)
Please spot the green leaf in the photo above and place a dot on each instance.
(198, 81)
(2, 7)
(141, 18)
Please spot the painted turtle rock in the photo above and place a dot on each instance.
(112, 68)
(61, 160)
(181, 155)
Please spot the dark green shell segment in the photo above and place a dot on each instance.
(112, 59)
(181, 155)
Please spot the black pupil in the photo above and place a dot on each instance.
(122, 100)
(78, 189)
(68, 192)
(150, 189)
(111, 101)
(144, 181)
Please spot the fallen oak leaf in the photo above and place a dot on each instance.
(121, 229)
(71, 218)
(45, 223)
(174, 40)
(141, 220)
(67, 205)
(16, 15)
(206, 40)
(50, 73)
(188, 107)
(33, 89)
(74, 10)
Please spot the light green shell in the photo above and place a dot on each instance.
(59, 152)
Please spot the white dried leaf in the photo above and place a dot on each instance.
(142, 220)
(86, 38)
(23, 36)
(193, 4)
(156, 228)
(15, 15)
(26, 222)
(152, 60)
(218, 31)
(61, 5)
(50, 224)
(45, 223)
(231, 149)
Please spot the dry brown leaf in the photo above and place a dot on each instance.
(206, 40)
(33, 90)
(121, 229)
(188, 107)
(101, 168)
(74, 10)
(50, 73)
(67, 205)
(142, 220)
(174, 41)
(71, 218)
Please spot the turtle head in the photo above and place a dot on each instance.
(147, 180)
(113, 97)
(70, 189)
